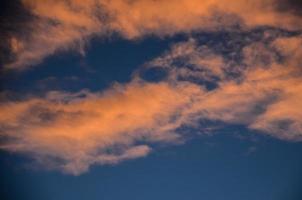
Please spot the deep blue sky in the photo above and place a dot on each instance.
(233, 164)
(224, 166)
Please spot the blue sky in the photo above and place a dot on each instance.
(99, 103)
(216, 167)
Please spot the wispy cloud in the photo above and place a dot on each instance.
(260, 90)
(87, 128)
(258, 85)
(69, 24)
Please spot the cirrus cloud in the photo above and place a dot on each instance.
(259, 88)
(69, 24)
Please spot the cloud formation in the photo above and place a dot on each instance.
(70, 23)
(260, 91)
(256, 83)
(92, 128)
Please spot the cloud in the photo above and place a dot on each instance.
(258, 85)
(260, 91)
(71, 23)
(11, 25)
(87, 128)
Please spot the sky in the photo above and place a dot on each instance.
(150, 99)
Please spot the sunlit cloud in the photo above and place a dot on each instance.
(260, 91)
(87, 128)
(257, 86)
(70, 24)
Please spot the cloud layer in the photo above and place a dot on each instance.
(70, 23)
(87, 128)
(255, 82)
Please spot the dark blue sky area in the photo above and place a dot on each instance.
(224, 166)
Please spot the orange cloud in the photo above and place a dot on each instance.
(265, 96)
(100, 128)
(68, 24)
(72, 131)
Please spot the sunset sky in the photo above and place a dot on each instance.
(151, 99)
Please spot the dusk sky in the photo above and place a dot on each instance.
(151, 99)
